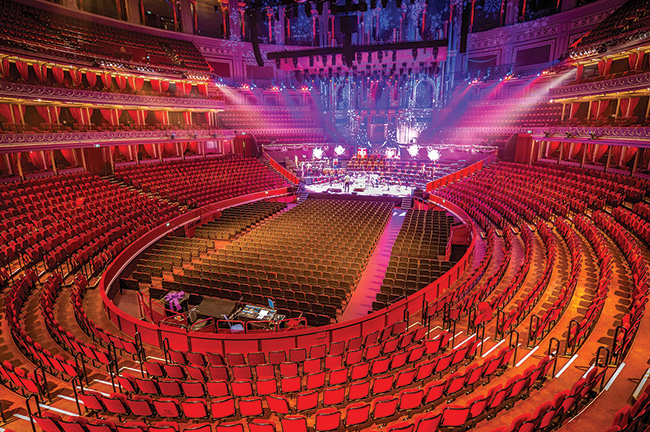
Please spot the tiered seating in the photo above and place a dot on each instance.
(623, 24)
(274, 124)
(63, 36)
(261, 117)
(510, 115)
(72, 219)
(196, 183)
(417, 257)
(235, 220)
(313, 274)
(626, 331)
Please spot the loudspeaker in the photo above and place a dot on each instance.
(252, 25)
(464, 30)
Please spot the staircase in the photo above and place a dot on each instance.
(407, 203)
(302, 197)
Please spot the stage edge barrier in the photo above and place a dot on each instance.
(180, 339)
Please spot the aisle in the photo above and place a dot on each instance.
(361, 301)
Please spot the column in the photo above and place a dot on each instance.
(235, 21)
(56, 172)
(8, 162)
(567, 5)
(133, 11)
(637, 158)
(559, 158)
(584, 155)
(570, 150)
(160, 151)
(609, 158)
(279, 27)
(20, 166)
(110, 156)
(511, 11)
(187, 17)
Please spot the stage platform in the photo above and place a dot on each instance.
(362, 188)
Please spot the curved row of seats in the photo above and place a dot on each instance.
(199, 182)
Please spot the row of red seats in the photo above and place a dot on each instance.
(506, 294)
(564, 405)
(15, 378)
(517, 313)
(579, 333)
(626, 331)
(637, 224)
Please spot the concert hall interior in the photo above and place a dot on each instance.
(324, 215)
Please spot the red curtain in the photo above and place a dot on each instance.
(628, 105)
(138, 116)
(5, 67)
(70, 155)
(207, 117)
(187, 117)
(19, 113)
(150, 149)
(631, 60)
(23, 69)
(604, 66)
(162, 117)
(127, 152)
(159, 86)
(194, 146)
(42, 160)
(169, 149)
(184, 147)
(616, 155)
(58, 74)
(135, 83)
(91, 77)
(600, 152)
(41, 72)
(574, 109)
(183, 87)
(121, 81)
(598, 108)
(203, 88)
(76, 77)
(629, 154)
(106, 79)
(49, 114)
(7, 112)
(552, 146)
(111, 115)
(576, 149)
(82, 115)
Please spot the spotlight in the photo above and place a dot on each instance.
(569, 135)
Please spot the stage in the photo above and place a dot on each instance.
(368, 185)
